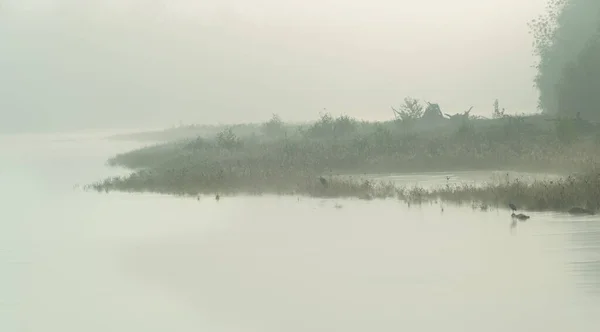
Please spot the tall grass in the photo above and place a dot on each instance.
(290, 161)
(577, 190)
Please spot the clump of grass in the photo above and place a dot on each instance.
(299, 185)
(540, 195)
(578, 190)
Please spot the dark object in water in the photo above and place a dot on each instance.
(580, 210)
(217, 197)
(520, 216)
(323, 181)
(512, 206)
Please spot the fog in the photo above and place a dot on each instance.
(67, 64)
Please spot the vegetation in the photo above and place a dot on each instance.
(292, 159)
(188, 131)
(578, 190)
(567, 43)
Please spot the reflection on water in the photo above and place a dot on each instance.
(584, 252)
(77, 261)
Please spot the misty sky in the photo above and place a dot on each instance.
(69, 64)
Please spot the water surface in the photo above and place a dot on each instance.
(74, 261)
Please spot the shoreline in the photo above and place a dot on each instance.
(544, 195)
(356, 157)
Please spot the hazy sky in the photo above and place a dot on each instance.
(78, 64)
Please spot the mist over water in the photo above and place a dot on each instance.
(111, 64)
(74, 260)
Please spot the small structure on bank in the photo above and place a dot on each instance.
(433, 112)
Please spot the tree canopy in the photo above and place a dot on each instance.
(567, 44)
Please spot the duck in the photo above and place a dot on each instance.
(520, 216)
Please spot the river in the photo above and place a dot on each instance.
(73, 261)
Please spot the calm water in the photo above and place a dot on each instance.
(72, 261)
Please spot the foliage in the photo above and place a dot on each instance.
(409, 112)
(329, 127)
(497, 112)
(412, 108)
(578, 92)
(228, 140)
(577, 190)
(292, 164)
(566, 130)
(560, 36)
(274, 128)
(465, 129)
(462, 116)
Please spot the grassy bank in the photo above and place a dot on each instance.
(285, 159)
(576, 190)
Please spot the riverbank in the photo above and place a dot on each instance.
(291, 163)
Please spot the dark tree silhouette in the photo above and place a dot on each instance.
(564, 39)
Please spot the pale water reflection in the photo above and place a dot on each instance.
(77, 261)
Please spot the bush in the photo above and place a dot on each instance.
(274, 128)
(228, 140)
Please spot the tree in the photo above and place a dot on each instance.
(409, 112)
(274, 128)
(578, 91)
(497, 114)
(228, 140)
(560, 35)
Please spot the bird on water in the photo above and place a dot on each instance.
(520, 216)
